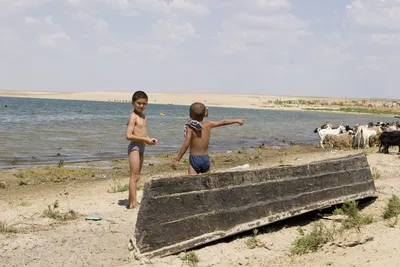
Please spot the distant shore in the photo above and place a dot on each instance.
(301, 103)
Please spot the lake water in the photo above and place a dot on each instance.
(43, 131)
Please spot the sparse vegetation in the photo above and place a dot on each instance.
(52, 213)
(118, 187)
(358, 110)
(392, 209)
(242, 150)
(25, 204)
(311, 241)
(253, 241)
(189, 258)
(354, 219)
(61, 163)
(321, 234)
(55, 174)
(7, 229)
(376, 174)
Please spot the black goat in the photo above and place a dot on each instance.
(388, 139)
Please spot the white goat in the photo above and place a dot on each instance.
(324, 132)
(362, 136)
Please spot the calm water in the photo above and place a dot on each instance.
(42, 131)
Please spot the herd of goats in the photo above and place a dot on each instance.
(380, 134)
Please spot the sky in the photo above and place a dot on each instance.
(332, 48)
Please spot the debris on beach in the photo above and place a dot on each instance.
(245, 166)
(93, 218)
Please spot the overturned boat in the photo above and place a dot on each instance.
(180, 213)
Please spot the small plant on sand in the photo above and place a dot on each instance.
(392, 210)
(189, 258)
(25, 204)
(253, 242)
(117, 187)
(61, 163)
(7, 229)
(354, 219)
(313, 240)
(242, 150)
(52, 213)
(376, 174)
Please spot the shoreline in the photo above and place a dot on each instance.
(148, 159)
(97, 190)
(239, 101)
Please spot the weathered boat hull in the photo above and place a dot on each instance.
(180, 213)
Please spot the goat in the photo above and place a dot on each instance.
(388, 139)
(326, 125)
(374, 138)
(342, 140)
(324, 132)
(362, 136)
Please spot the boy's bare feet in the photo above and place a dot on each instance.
(132, 206)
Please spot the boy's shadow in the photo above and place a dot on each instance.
(123, 202)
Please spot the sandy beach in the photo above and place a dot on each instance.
(43, 209)
(221, 100)
(31, 239)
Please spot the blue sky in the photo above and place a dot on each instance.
(277, 47)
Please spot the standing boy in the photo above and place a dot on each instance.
(198, 137)
(136, 132)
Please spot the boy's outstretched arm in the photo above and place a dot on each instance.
(130, 136)
(183, 149)
(226, 122)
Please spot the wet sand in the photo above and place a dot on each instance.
(42, 241)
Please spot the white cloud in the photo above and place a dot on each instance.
(375, 13)
(187, 6)
(9, 8)
(52, 40)
(49, 20)
(142, 6)
(254, 5)
(22, 4)
(265, 31)
(168, 30)
(96, 23)
(133, 50)
(31, 21)
(283, 21)
(392, 39)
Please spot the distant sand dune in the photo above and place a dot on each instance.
(222, 100)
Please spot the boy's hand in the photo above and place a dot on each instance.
(154, 141)
(240, 122)
(151, 141)
(174, 164)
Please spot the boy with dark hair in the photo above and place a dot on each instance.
(198, 137)
(136, 132)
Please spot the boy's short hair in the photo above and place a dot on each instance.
(139, 95)
(197, 111)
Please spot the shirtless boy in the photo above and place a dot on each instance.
(136, 132)
(198, 137)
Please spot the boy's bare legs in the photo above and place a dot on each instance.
(191, 170)
(135, 164)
